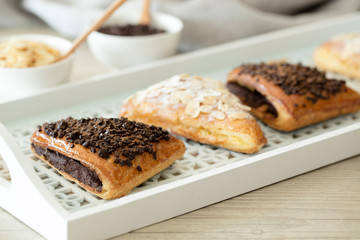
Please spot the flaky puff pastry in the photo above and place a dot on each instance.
(341, 54)
(301, 101)
(118, 172)
(197, 108)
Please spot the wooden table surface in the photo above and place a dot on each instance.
(324, 203)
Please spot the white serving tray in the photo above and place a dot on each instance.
(59, 209)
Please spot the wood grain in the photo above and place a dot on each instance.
(145, 17)
(321, 204)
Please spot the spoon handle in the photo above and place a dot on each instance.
(145, 18)
(82, 37)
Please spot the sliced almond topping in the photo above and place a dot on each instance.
(244, 107)
(186, 98)
(223, 106)
(184, 75)
(169, 90)
(193, 108)
(175, 78)
(197, 85)
(211, 92)
(153, 94)
(208, 94)
(233, 115)
(206, 108)
(175, 97)
(218, 115)
(230, 100)
(209, 100)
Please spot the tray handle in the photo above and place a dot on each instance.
(20, 168)
(25, 184)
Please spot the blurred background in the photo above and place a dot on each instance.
(206, 22)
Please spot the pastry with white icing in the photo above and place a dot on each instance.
(197, 108)
(341, 54)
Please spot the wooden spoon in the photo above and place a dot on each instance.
(82, 37)
(145, 18)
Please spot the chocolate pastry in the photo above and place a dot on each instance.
(197, 108)
(341, 54)
(107, 157)
(289, 96)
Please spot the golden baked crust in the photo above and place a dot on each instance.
(341, 55)
(117, 180)
(199, 109)
(293, 110)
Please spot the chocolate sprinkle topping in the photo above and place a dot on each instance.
(121, 137)
(296, 79)
(130, 30)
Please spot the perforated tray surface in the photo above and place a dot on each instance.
(198, 157)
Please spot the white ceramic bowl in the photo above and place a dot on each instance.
(15, 82)
(123, 51)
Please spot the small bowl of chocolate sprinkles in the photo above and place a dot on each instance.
(122, 42)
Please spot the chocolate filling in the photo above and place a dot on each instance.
(254, 99)
(71, 166)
